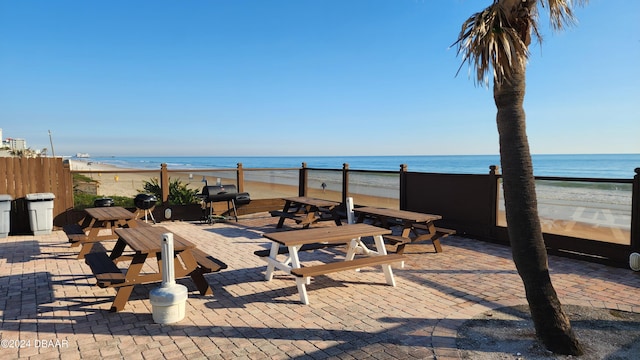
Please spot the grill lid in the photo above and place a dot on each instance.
(145, 201)
(103, 202)
(219, 192)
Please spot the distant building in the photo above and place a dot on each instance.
(15, 144)
(10, 145)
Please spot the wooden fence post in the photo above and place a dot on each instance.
(494, 194)
(345, 182)
(240, 178)
(635, 213)
(302, 186)
(403, 186)
(164, 182)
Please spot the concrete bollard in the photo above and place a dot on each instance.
(168, 301)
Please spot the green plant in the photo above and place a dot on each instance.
(83, 178)
(83, 200)
(179, 193)
(152, 187)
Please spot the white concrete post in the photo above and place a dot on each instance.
(168, 271)
(168, 301)
(350, 215)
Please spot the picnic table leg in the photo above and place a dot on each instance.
(118, 249)
(431, 235)
(195, 272)
(302, 289)
(336, 216)
(85, 249)
(287, 205)
(351, 251)
(295, 262)
(124, 292)
(273, 254)
(87, 244)
(386, 268)
(354, 244)
(436, 245)
(310, 211)
(122, 296)
(201, 283)
(301, 282)
(407, 227)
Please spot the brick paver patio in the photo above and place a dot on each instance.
(49, 302)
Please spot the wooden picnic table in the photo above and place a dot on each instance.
(145, 242)
(295, 240)
(416, 226)
(307, 210)
(98, 219)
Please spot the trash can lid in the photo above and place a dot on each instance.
(4, 197)
(40, 196)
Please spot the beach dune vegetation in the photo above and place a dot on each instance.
(85, 193)
(495, 42)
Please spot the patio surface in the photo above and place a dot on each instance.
(49, 301)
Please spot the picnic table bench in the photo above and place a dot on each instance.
(315, 270)
(285, 249)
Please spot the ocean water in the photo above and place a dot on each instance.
(609, 166)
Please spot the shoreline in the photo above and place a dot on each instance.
(87, 165)
(606, 166)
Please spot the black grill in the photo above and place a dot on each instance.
(215, 193)
(103, 202)
(145, 201)
(219, 193)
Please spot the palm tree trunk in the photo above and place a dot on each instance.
(525, 233)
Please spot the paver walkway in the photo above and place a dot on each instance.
(51, 307)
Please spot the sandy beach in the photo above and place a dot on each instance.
(113, 180)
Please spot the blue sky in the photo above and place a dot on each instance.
(301, 77)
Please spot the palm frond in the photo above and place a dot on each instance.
(488, 42)
(496, 40)
(561, 13)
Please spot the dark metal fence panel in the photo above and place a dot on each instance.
(466, 202)
(584, 249)
(635, 213)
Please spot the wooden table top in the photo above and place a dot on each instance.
(110, 213)
(398, 214)
(148, 239)
(337, 234)
(312, 201)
